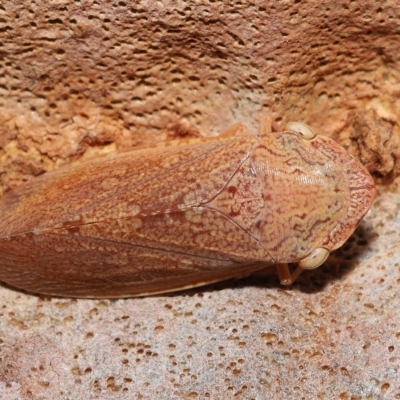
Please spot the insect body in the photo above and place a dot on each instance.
(163, 219)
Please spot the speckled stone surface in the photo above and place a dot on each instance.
(334, 334)
(82, 78)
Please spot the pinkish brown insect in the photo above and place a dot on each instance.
(183, 215)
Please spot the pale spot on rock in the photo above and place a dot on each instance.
(109, 183)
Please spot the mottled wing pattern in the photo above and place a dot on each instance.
(78, 266)
(129, 225)
(123, 185)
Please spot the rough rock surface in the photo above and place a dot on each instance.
(86, 77)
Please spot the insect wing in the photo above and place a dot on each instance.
(132, 224)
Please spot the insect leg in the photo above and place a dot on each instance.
(268, 125)
(285, 276)
(265, 125)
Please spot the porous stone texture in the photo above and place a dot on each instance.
(79, 78)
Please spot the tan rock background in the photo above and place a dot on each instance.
(79, 78)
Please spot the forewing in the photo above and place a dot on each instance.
(108, 259)
(131, 225)
(125, 185)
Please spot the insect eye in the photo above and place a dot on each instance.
(301, 129)
(315, 259)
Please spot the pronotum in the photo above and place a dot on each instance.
(183, 215)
